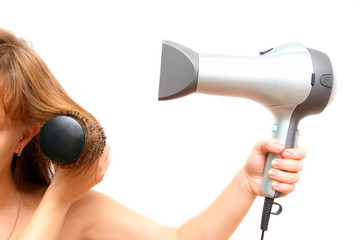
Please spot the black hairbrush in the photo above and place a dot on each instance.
(68, 139)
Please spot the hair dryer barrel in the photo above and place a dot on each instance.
(277, 78)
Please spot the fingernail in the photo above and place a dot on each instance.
(272, 173)
(279, 147)
(286, 154)
(275, 163)
(275, 185)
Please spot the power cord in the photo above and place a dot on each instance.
(268, 203)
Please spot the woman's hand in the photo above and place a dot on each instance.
(69, 185)
(285, 170)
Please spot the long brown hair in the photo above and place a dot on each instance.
(31, 95)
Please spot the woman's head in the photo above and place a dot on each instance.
(30, 95)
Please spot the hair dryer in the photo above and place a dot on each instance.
(291, 81)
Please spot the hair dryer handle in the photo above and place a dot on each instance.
(287, 133)
(266, 187)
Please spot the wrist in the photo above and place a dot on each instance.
(242, 180)
(57, 198)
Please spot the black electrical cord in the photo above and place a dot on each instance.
(268, 203)
(262, 235)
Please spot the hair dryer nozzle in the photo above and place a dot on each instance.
(179, 71)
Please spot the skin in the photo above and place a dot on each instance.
(69, 209)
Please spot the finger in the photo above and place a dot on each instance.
(107, 163)
(294, 153)
(284, 177)
(269, 145)
(102, 165)
(283, 187)
(108, 159)
(288, 165)
(104, 159)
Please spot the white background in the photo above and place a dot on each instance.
(171, 159)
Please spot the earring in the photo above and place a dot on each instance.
(19, 152)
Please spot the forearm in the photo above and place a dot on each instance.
(223, 216)
(47, 221)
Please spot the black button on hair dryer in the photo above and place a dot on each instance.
(291, 81)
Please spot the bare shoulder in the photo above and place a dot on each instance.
(93, 202)
(97, 215)
(95, 212)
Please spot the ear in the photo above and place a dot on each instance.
(27, 134)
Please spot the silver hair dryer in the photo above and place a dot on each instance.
(291, 81)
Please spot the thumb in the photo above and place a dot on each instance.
(269, 145)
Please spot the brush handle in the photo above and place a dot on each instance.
(287, 133)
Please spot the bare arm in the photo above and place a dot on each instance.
(223, 216)
(47, 221)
